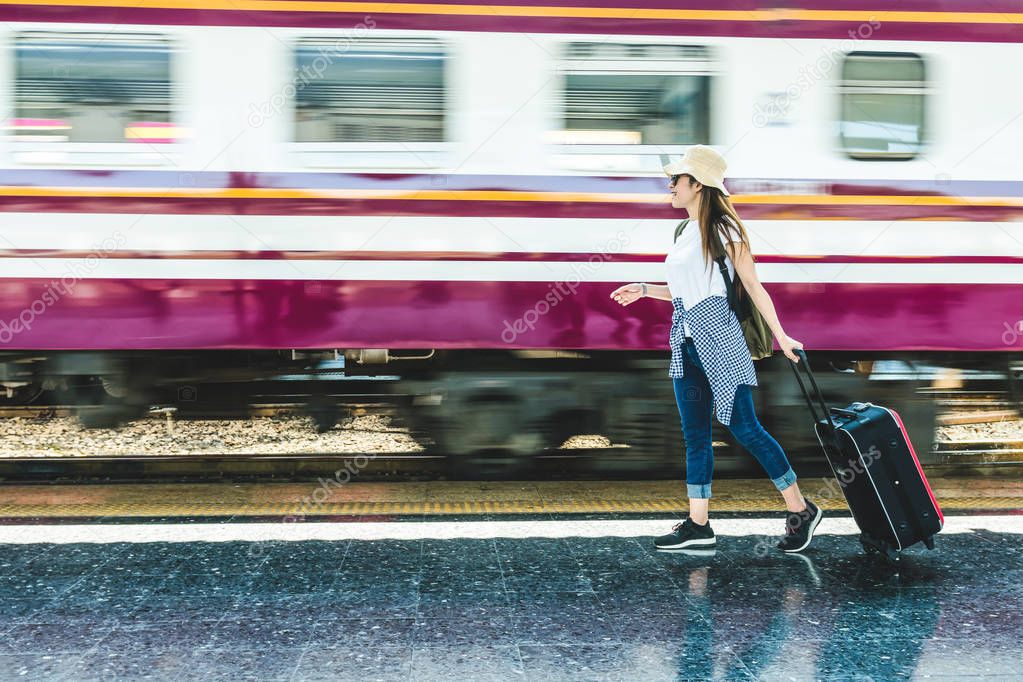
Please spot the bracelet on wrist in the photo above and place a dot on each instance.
(644, 288)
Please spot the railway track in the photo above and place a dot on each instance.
(980, 458)
(958, 410)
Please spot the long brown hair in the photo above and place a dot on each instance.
(717, 212)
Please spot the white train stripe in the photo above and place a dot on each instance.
(432, 233)
(503, 271)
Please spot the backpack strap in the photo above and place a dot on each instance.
(681, 226)
(729, 284)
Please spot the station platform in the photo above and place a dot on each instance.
(555, 581)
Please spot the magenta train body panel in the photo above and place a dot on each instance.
(196, 313)
(198, 291)
(990, 28)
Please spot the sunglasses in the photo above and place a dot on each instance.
(675, 178)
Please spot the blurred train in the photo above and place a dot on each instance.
(448, 192)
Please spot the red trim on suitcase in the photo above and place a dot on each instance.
(917, 462)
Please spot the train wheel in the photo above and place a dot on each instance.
(491, 440)
(324, 412)
(463, 442)
(653, 431)
(103, 402)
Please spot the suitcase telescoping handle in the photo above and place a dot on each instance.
(820, 396)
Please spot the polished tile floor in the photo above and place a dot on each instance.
(498, 598)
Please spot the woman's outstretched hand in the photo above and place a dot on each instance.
(628, 293)
(787, 343)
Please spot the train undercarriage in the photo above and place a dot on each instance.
(490, 412)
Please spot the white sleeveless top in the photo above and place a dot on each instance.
(689, 277)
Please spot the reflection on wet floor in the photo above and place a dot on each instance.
(549, 599)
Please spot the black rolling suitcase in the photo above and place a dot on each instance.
(873, 460)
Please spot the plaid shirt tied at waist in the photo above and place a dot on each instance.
(720, 345)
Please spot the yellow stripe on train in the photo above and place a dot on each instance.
(763, 15)
(496, 195)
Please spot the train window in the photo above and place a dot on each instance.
(618, 97)
(882, 105)
(92, 88)
(382, 90)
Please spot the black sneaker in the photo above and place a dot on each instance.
(799, 527)
(687, 535)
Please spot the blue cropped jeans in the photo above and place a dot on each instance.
(695, 402)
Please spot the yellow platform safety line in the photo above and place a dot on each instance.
(451, 497)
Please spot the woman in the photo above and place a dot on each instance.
(712, 365)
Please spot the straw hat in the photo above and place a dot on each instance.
(704, 164)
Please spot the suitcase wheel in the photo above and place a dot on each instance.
(872, 545)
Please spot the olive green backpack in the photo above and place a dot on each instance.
(759, 337)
